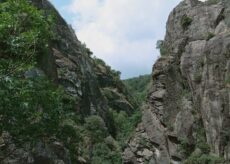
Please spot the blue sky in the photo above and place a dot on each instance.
(121, 32)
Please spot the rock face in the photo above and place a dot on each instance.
(69, 63)
(53, 153)
(188, 109)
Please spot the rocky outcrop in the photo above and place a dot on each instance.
(53, 152)
(71, 65)
(187, 113)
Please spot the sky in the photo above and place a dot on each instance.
(121, 32)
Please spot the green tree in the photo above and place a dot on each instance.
(95, 128)
(96, 131)
(24, 34)
(103, 154)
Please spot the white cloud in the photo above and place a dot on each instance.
(122, 32)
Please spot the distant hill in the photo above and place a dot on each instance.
(138, 87)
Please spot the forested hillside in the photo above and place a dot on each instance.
(139, 87)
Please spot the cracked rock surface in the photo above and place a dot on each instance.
(191, 89)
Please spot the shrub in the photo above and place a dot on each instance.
(202, 156)
(95, 128)
(185, 22)
(185, 147)
(201, 159)
(125, 124)
(210, 36)
(102, 154)
(162, 47)
(204, 147)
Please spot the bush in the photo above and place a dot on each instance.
(202, 156)
(185, 22)
(210, 36)
(102, 154)
(162, 47)
(185, 147)
(95, 128)
(204, 147)
(125, 125)
(203, 159)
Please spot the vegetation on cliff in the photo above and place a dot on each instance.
(36, 109)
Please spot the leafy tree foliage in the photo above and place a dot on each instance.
(103, 154)
(95, 128)
(24, 34)
(30, 109)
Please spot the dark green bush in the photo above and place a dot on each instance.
(185, 22)
(204, 147)
(185, 147)
(30, 108)
(125, 125)
(95, 128)
(103, 154)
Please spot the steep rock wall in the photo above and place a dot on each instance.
(188, 106)
(70, 64)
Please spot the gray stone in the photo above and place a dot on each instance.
(190, 88)
(147, 154)
(33, 73)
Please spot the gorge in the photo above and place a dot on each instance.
(61, 105)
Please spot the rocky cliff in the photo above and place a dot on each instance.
(39, 123)
(70, 64)
(187, 115)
